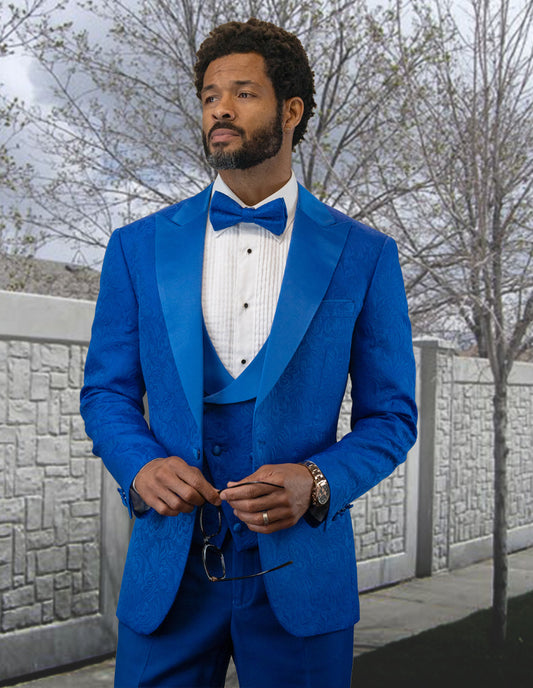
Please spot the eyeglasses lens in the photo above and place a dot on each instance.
(214, 564)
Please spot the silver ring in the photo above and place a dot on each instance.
(265, 518)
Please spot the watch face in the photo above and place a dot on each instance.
(322, 494)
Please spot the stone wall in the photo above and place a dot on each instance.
(385, 518)
(54, 571)
(64, 531)
(51, 489)
(456, 466)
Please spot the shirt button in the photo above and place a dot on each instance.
(237, 527)
(249, 250)
(243, 361)
(216, 450)
(245, 305)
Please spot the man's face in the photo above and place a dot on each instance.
(242, 121)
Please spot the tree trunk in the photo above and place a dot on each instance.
(499, 582)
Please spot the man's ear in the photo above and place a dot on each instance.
(293, 110)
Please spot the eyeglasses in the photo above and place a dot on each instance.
(212, 556)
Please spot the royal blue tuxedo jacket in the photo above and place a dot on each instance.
(342, 312)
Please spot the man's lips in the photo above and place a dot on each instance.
(223, 135)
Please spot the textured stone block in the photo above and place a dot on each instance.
(19, 349)
(48, 612)
(77, 467)
(40, 539)
(3, 401)
(77, 428)
(91, 567)
(28, 481)
(52, 450)
(52, 560)
(22, 597)
(48, 504)
(42, 418)
(40, 386)
(34, 511)
(3, 356)
(62, 580)
(63, 604)
(26, 445)
(23, 617)
(83, 529)
(93, 479)
(91, 508)
(75, 370)
(70, 402)
(77, 583)
(44, 588)
(55, 356)
(19, 558)
(9, 453)
(54, 413)
(6, 550)
(85, 603)
(58, 380)
(8, 435)
(35, 356)
(81, 449)
(6, 576)
(18, 375)
(20, 411)
(60, 471)
(68, 490)
(12, 510)
(74, 557)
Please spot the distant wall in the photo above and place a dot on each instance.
(456, 466)
(62, 541)
(64, 531)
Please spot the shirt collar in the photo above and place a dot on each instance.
(289, 193)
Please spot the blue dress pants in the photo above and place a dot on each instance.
(210, 622)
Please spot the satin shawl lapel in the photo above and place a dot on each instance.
(179, 251)
(316, 245)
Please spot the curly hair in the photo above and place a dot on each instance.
(286, 61)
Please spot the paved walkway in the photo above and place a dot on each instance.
(386, 615)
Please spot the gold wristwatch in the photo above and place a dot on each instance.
(320, 493)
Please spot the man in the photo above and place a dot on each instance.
(242, 326)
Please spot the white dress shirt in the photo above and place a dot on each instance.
(242, 275)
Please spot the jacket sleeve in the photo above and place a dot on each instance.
(382, 373)
(113, 390)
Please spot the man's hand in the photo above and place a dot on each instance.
(284, 507)
(171, 486)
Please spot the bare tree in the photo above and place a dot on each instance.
(468, 240)
(122, 128)
(14, 38)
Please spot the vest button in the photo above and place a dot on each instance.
(216, 450)
(237, 527)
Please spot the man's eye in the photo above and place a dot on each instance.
(245, 94)
(209, 99)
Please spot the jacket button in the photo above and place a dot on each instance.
(237, 527)
(217, 450)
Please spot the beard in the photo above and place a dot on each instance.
(262, 144)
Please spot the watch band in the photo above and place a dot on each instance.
(320, 493)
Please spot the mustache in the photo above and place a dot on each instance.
(225, 125)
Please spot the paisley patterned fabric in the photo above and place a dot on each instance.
(342, 311)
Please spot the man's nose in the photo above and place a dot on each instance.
(224, 109)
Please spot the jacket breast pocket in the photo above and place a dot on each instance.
(336, 308)
(334, 321)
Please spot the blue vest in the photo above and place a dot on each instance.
(229, 405)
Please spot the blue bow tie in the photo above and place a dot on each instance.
(225, 212)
